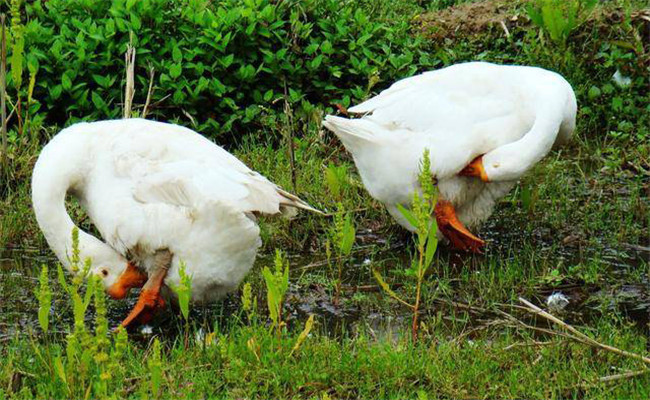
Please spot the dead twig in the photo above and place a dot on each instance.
(368, 288)
(189, 116)
(505, 29)
(487, 325)
(625, 375)
(129, 89)
(529, 344)
(289, 136)
(149, 92)
(579, 336)
(157, 104)
(636, 247)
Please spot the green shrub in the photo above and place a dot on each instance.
(219, 65)
(558, 18)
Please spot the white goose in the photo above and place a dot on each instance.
(478, 120)
(158, 194)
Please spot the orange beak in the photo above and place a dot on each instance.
(132, 277)
(475, 169)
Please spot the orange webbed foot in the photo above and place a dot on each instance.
(459, 236)
(148, 302)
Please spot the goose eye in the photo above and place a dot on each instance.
(104, 272)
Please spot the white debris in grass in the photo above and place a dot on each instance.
(146, 330)
(621, 80)
(199, 336)
(557, 301)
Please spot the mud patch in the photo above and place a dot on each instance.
(470, 19)
(507, 17)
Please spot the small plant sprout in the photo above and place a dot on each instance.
(102, 342)
(184, 291)
(342, 235)
(118, 351)
(155, 368)
(249, 305)
(44, 295)
(90, 365)
(304, 334)
(17, 56)
(184, 294)
(277, 284)
(334, 177)
(426, 241)
(558, 18)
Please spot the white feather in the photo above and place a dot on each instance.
(148, 186)
(512, 115)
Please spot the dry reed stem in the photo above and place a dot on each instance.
(129, 89)
(625, 375)
(149, 92)
(579, 336)
(289, 136)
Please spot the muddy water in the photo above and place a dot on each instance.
(19, 279)
(626, 289)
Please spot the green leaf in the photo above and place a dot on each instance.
(526, 197)
(408, 215)
(175, 70)
(432, 244)
(88, 296)
(66, 82)
(332, 181)
(61, 278)
(303, 335)
(44, 295)
(617, 103)
(311, 49)
(594, 92)
(177, 55)
(184, 291)
(227, 61)
(386, 288)
(348, 236)
(60, 369)
(315, 63)
(608, 88)
(136, 22)
(271, 294)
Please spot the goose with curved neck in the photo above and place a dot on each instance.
(485, 125)
(56, 174)
(160, 195)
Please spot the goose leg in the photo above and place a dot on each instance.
(454, 230)
(150, 298)
(475, 169)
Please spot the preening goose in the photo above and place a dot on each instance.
(159, 194)
(484, 124)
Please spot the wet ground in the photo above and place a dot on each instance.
(360, 304)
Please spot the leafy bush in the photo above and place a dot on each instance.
(219, 65)
(559, 17)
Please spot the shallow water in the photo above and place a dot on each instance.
(626, 288)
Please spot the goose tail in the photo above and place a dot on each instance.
(354, 133)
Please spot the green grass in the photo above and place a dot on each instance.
(572, 224)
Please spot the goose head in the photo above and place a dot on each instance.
(117, 274)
